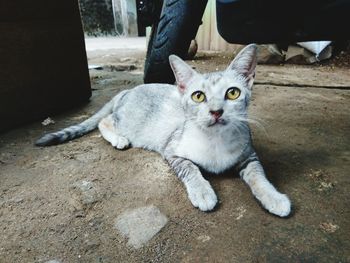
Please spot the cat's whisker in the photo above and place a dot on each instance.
(254, 118)
(250, 120)
(237, 128)
(259, 125)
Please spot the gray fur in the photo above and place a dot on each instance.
(164, 118)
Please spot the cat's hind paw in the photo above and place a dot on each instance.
(278, 204)
(203, 196)
(120, 143)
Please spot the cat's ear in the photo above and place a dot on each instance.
(182, 71)
(245, 63)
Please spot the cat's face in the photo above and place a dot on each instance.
(217, 101)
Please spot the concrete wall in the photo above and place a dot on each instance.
(109, 17)
(97, 17)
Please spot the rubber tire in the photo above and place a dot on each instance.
(177, 26)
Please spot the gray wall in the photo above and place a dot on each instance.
(98, 18)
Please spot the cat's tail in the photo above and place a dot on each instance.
(80, 129)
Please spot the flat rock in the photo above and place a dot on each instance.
(86, 192)
(140, 225)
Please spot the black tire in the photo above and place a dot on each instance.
(178, 25)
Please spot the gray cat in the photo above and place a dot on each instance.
(200, 123)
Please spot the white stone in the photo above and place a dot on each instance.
(140, 225)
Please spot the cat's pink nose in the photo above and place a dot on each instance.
(217, 113)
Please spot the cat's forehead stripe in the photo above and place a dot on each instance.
(214, 77)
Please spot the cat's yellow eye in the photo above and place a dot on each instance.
(198, 96)
(232, 93)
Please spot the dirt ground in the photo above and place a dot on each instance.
(62, 203)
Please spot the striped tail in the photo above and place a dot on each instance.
(78, 130)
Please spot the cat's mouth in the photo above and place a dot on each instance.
(216, 122)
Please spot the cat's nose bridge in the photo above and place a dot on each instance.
(215, 105)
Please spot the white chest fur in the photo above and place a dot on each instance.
(215, 153)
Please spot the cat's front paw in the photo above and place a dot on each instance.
(277, 203)
(202, 196)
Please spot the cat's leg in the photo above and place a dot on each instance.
(109, 133)
(199, 191)
(252, 172)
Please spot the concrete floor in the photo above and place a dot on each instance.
(68, 202)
